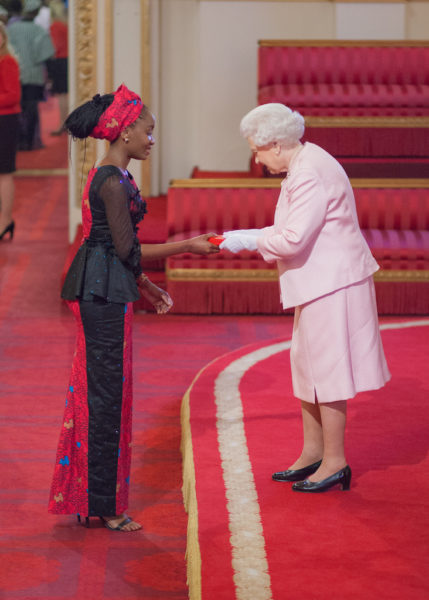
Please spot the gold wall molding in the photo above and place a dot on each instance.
(108, 46)
(145, 58)
(85, 76)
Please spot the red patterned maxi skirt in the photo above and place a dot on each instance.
(92, 469)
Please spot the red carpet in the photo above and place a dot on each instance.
(269, 542)
(46, 557)
(53, 558)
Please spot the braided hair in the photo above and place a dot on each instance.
(84, 118)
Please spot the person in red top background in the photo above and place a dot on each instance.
(58, 66)
(10, 96)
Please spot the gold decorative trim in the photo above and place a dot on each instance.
(390, 183)
(108, 46)
(402, 276)
(257, 182)
(366, 121)
(86, 82)
(266, 275)
(274, 183)
(40, 172)
(180, 274)
(145, 58)
(348, 43)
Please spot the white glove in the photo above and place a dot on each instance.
(254, 232)
(237, 242)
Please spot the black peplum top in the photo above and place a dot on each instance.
(107, 263)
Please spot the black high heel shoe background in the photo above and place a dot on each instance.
(10, 229)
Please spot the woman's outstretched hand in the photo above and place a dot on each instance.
(159, 298)
(201, 244)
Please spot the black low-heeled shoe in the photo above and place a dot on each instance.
(10, 229)
(296, 474)
(342, 477)
(86, 521)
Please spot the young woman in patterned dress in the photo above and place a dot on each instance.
(92, 470)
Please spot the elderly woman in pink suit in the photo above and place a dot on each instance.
(325, 271)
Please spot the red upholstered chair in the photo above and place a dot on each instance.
(394, 218)
(359, 98)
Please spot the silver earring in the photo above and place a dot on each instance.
(126, 140)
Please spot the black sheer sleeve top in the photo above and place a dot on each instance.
(107, 263)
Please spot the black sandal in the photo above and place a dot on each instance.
(120, 526)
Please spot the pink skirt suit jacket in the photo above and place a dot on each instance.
(325, 271)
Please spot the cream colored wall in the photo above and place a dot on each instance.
(370, 21)
(209, 73)
(208, 66)
(417, 21)
(204, 67)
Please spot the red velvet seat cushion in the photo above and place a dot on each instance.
(219, 209)
(333, 63)
(392, 208)
(394, 221)
(350, 99)
(394, 249)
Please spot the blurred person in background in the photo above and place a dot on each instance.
(14, 9)
(10, 95)
(58, 66)
(43, 17)
(3, 15)
(33, 47)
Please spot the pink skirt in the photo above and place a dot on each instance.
(336, 347)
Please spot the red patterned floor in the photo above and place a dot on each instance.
(48, 557)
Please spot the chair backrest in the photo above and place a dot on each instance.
(203, 205)
(336, 61)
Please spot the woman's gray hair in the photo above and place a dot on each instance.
(273, 123)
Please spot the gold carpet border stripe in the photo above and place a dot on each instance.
(405, 324)
(396, 275)
(193, 554)
(229, 376)
(270, 183)
(249, 560)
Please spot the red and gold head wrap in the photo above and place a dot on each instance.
(124, 110)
